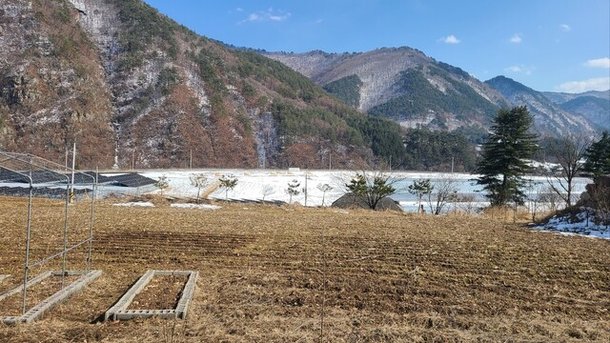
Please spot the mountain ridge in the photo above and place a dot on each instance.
(543, 110)
(416, 90)
(136, 89)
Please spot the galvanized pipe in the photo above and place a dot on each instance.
(28, 235)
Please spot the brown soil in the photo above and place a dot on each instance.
(288, 274)
(13, 305)
(161, 293)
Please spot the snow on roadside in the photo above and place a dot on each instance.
(135, 204)
(196, 206)
(580, 224)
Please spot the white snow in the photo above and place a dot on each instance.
(580, 224)
(196, 206)
(272, 185)
(135, 204)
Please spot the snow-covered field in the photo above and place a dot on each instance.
(272, 185)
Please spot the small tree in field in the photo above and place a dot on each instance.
(293, 189)
(371, 188)
(267, 190)
(504, 157)
(324, 188)
(162, 183)
(443, 192)
(569, 152)
(199, 181)
(420, 188)
(228, 182)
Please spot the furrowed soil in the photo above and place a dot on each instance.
(292, 274)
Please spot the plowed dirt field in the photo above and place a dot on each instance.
(292, 274)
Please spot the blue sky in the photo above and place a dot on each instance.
(549, 45)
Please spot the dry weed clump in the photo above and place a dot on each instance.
(294, 274)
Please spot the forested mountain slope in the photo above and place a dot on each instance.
(415, 90)
(128, 83)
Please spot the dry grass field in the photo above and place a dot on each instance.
(292, 274)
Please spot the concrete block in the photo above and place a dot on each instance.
(28, 284)
(59, 296)
(119, 310)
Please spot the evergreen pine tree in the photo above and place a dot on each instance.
(598, 156)
(371, 188)
(504, 156)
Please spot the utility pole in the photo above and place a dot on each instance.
(73, 166)
(305, 189)
(191, 159)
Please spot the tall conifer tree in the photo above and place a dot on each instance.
(505, 154)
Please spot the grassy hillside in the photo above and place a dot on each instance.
(278, 274)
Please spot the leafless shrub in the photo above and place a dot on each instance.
(443, 192)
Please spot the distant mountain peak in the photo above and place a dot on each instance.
(416, 90)
(549, 118)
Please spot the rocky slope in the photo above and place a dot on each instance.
(415, 90)
(594, 105)
(136, 89)
(548, 117)
(560, 97)
(401, 83)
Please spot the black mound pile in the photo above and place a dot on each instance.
(351, 200)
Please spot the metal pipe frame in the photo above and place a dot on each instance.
(52, 167)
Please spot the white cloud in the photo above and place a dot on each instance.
(516, 39)
(451, 39)
(565, 27)
(239, 9)
(595, 84)
(603, 62)
(520, 69)
(267, 15)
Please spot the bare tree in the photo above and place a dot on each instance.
(467, 202)
(324, 188)
(549, 198)
(162, 183)
(441, 193)
(199, 181)
(536, 199)
(267, 190)
(568, 151)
